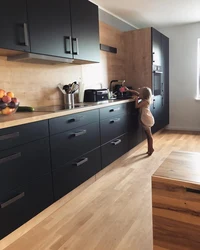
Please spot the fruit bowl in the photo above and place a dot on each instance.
(8, 103)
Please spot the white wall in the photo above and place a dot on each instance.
(184, 109)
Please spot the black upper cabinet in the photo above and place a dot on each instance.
(13, 25)
(85, 30)
(50, 27)
(156, 47)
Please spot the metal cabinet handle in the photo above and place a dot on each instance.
(116, 142)
(26, 37)
(154, 104)
(152, 57)
(191, 190)
(12, 200)
(83, 132)
(9, 136)
(81, 162)
(115, 120)
(71, 120)
(10, 158)
(113, 110)
(75, 41)
(66, 40)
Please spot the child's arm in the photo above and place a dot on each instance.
(139, 105)
(132, 91)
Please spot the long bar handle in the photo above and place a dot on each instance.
(10, 158)
(115, 143)
(68, 38)
(113, 110)
(12, 200)
(83, 132)
(26, 37)
(75, 40)
(81, 162)
(9, 136)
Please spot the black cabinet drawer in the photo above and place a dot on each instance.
(114, 149)
(68, 122)
(24, 163)
(113, 127)
(71, 144)
(23, 203)
(76, 172)
(18, 135)
(113, 111)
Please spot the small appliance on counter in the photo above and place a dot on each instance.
(122, 95)
(96, 95)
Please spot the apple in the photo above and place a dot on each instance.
(6, 99)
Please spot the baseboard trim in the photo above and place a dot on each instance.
(186, 129)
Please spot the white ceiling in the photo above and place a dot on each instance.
(156, 13)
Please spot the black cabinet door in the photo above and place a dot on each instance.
(23, 203)
(165, 80)
(85, 30)
(113, 127)
(74, 173)
(157, 111)
(114, 149)
(13, 25)
(156, 47)
(73, 143)
(50, 27)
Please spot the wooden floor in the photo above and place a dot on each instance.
(112, 213)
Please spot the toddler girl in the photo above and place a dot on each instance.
(146, 117)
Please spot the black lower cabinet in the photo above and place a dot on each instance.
(23, 203)
(68, 177)
(23, 164)
(114, 149)
(73, 143)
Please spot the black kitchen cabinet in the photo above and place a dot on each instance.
(68, 122)
(23, 203)
(13, 25)
(113, 127)
(156, 47)
(112, 150)
(73, 143)
(85, 30)
(18, 135)
(165, 79)
(157, 111)
(23, 164)
(74, 173)
(50, 27)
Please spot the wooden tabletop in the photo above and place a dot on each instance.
(20, 118)
(180, 166)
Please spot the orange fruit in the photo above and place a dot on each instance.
(2, 93)
(10, 94)
(6, 111)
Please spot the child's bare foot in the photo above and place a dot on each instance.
(150, 152)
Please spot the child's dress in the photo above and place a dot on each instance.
(146, 117)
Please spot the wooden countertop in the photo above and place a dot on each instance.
(20, 118)
(180, 166)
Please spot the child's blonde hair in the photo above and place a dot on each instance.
(146, 94)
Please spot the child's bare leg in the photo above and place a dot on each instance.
(148, 145)
(150, 141)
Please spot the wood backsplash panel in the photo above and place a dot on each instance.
(36, 85)
(111, 65)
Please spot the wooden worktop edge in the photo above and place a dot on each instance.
(24, 118)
